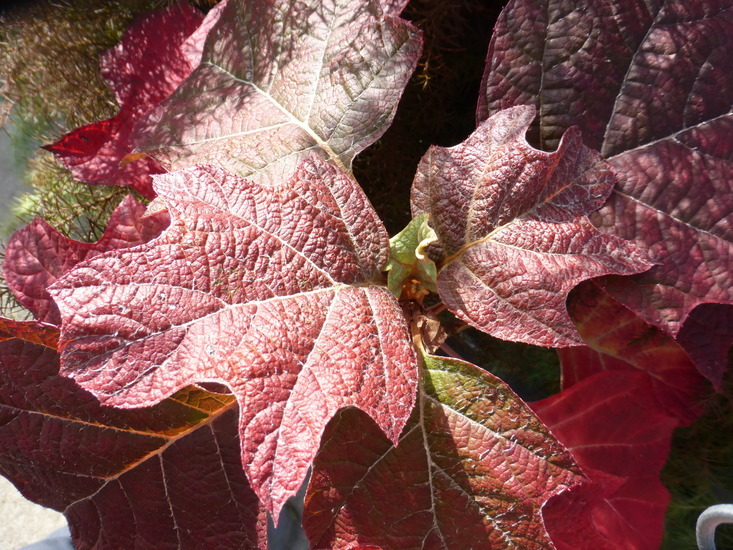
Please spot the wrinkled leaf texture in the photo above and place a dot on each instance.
(280, 80)
(274, 291)
(37, 255)
(155, 54)
(472, 469)
(513, 228)
(650, 83)
(631, 344)
(614, 427)
(168, 476)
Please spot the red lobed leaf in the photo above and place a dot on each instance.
(513, 228)
(628, 343)
(614, 428)
(275, 291)
(472, 470)
(280, 80)
(37, 255)
(651, 86)
(167, 476)
(151, 60)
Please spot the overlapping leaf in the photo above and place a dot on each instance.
(274, 291)
(613, 426)
(280, 80)
(513, 228)
(164, 477)
(472, 470)
(37, 255)
(628, 343)
(153, 57)
(651, 86)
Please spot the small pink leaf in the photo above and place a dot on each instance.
(143, 69)
(275, 291)
(472, 469)
(280, 80)
(37, 255)
(165, 477)
(651, 86)
(513, 229)
(614, 428)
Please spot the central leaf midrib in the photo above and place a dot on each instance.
(292, 119)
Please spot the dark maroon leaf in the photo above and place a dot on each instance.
(472, 470)
(280, 80)
(513, 228)
(613, 426)
(143, 69)
(275, 291)
(707, 336)
(619, 340)
(37, 255)
(164, 477)
(651, 86)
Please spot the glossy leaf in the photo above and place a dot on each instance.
(37, 255)
(472, 470)
(167, 476)
(150, 62)
(628, 343)
(614, 428)
(280, 80)
(513, 229)
(273, 291)
(651, 86)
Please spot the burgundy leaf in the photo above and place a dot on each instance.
(513, 228)
(707, 336)
(619, 340)
(280, 80)
(165, 477)
(143, 69)
(612, 425)
(651, 86)
(37, 255)
(472, 470)
(275, 291)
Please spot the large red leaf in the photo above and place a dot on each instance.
(513, 228)
(472, 470)
(614, 428)
(165, 477)
(707, 336)
(37, 255)
(150, 61)
(274, 291)
(628, 343)
(281, 79)
(651, 86)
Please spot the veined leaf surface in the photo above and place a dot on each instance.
(168, 476)
(276, 292)
(472, 470)
(280, 80)
(650, 83)
(513, 230)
